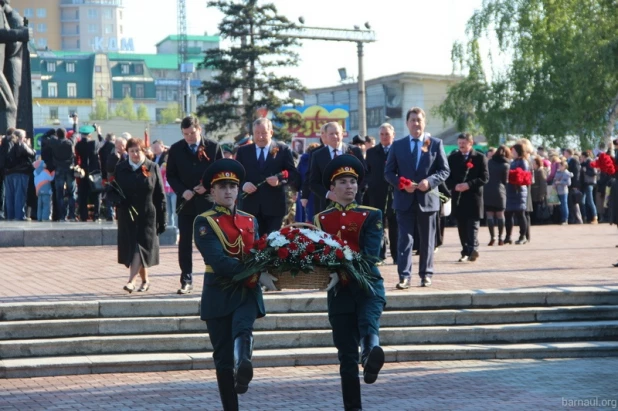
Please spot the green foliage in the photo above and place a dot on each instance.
(100, 110)
(561, 80)
(142, 113)
(246, 79)
(170, 114)
(126, 109)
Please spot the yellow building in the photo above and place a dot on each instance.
(44, 18)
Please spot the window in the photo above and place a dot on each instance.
(109, 28)
(73, 110)
(353, 120)
(107, 13)
(92, 13)
(41, 27)
(120, 29)
(42, 42)
(28, 13)
(126, 90)
(51, 67)
(70, 67)
(93, 28)
(375, 116)
(52, 91)
(97, 69)
(42, 13)
(53, 113)
(139, 91)
(72, 90)
(124, 69)
(139, 69)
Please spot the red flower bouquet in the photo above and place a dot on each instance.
(297, 250)
(520, 177)
(604, 163)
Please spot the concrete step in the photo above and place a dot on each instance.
(300, 321)
(199, 342)
(97, 364)
(282, 302)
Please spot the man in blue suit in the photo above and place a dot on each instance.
(420, 158)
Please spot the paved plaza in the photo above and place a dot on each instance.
(557, 257)
(556, 384)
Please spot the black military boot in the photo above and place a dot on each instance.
(243, 370)
(372, 357)
(229, 398)
(351, 392)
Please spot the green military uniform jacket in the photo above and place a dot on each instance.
(223, 237)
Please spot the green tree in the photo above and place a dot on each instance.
(246, 80)
(170, 114)
(126, 109)
(561, 80)
(142, 113)
(100, 110)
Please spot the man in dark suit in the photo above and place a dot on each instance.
(159, 151)
(420, 158)
(305, 191)
(468, 176)
(87, 152)
(107, 149)
(321, 157)
(379, 194)
(187, 161)
(262, 161)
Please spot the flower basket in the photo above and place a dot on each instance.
(302, 258)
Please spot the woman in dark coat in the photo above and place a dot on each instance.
(517, 198)
(494, 193)
(141, 213)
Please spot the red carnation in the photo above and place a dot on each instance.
(321, 242)
(310, 248)
(303, 255)
(285, 174)
(327, 249)
(316, 257)
(261, 244)
(469, 165)
(293, 246)
(286, 230)
(339, 253)
(283, 253)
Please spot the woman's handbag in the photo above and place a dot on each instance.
(446, 208)
(552, 196)
(96, 182)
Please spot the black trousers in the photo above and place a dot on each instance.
(224, 330)
(468, 229)
(83, 195)
(509, 223)
(389, 219)
(268, 223)
(185, 248)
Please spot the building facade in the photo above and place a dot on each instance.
(76, 25)
(388, 99)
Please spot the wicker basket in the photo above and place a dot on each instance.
(316, 280)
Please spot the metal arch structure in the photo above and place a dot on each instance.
(358, 36)
(183, 49)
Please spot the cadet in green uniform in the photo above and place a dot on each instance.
(224, 236)
(354, 313)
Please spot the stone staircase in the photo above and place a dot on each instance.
(130, 335)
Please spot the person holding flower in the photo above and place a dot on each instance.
(517, 194)
(354, 311)
(224, 236)
(141, 213)
(264, 191)
(468, 176)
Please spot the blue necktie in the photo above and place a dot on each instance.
(261, 158)
(415, 152)
(193, 148)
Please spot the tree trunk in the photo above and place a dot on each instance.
(611, 124)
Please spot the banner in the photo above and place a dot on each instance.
(313, 117)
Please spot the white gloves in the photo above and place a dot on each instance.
(334, 279)
(268, 281)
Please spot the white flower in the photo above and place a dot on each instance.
(274, 235)
(347, 253)
(279, 241)
(331, 242)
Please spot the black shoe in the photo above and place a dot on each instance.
(185, 289)
(491, 242)
(474, 256)
(615, 265)
(426, 282)
(243, 369)
(508, 241)
(372, 356)
(521, 241)
(463, 259)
